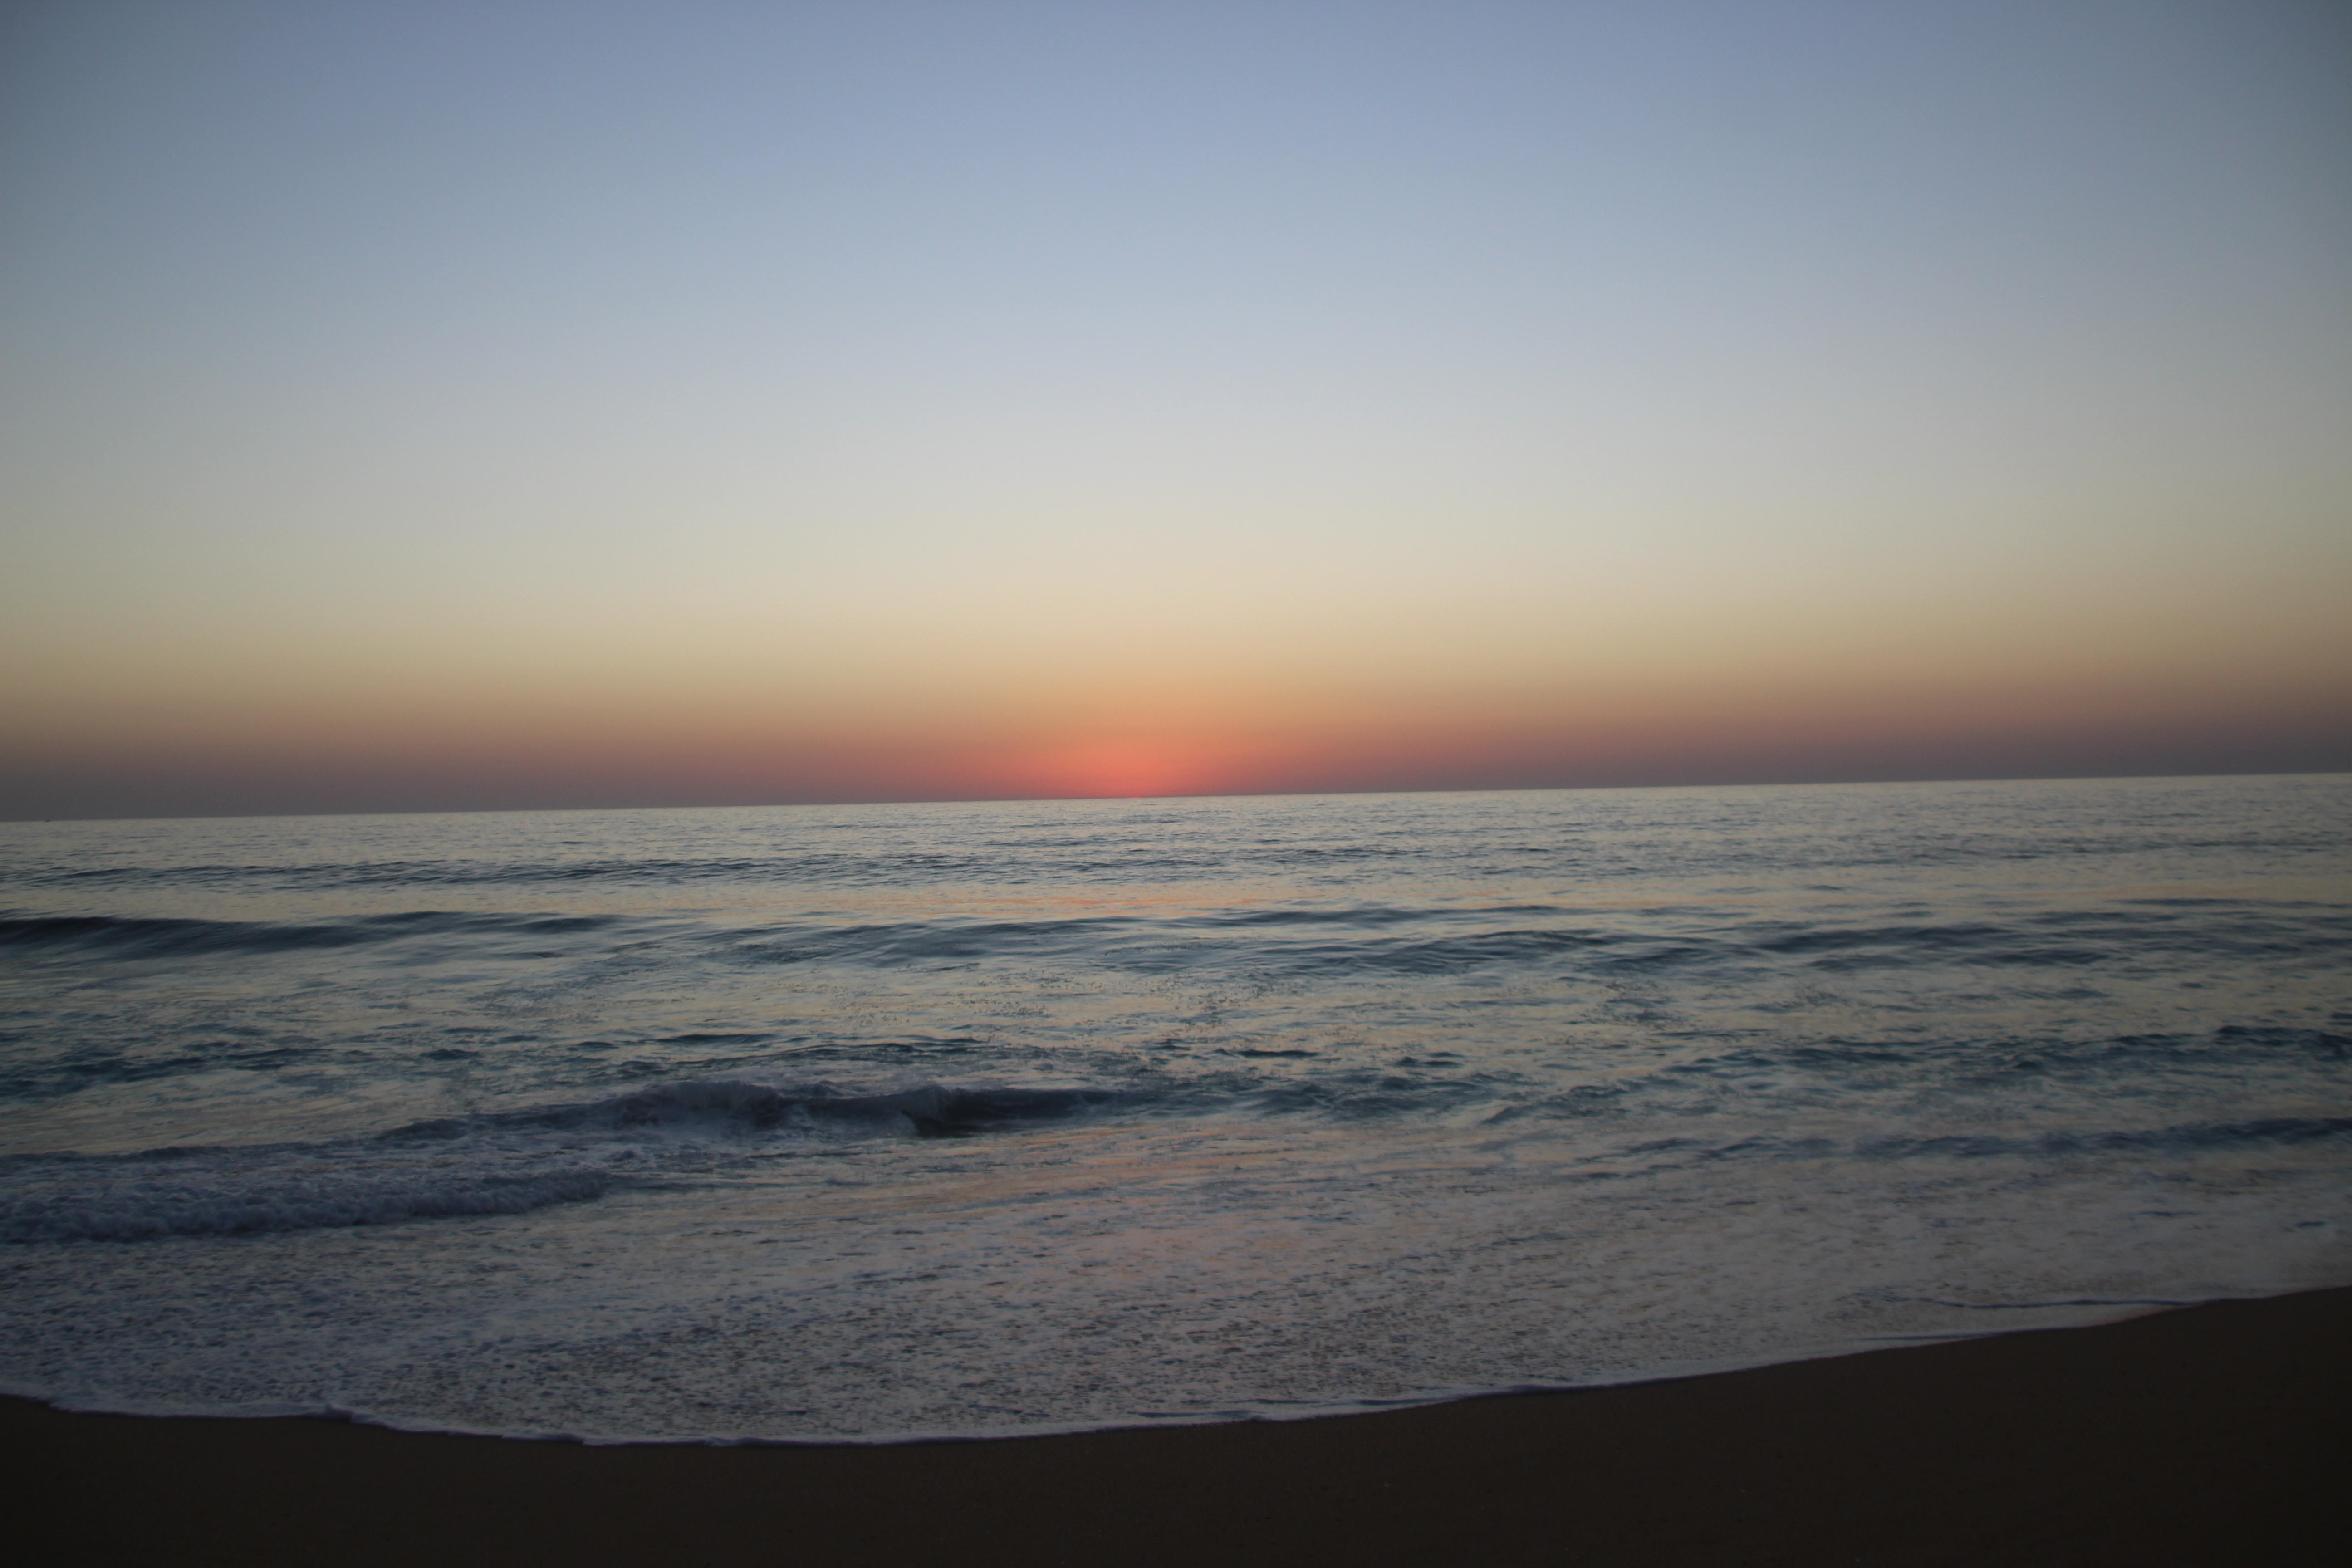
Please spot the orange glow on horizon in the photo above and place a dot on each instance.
(1128, 769)
(514, 746)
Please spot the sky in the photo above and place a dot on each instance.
(517, 404)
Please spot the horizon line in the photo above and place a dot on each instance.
(1206, 795)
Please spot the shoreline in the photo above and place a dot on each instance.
(2197, 1435)
(2109, 1312)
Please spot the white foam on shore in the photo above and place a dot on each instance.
(1107, 1275)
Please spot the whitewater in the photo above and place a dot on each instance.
(869, 1123)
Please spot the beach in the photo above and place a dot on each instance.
(2208, 1435)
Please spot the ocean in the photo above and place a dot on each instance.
(863, 1124)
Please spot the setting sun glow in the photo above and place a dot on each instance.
(417, 408)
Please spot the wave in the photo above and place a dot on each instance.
(735, 1106)
(490, 1164)
(140, 1207)
(506, 1162)
(119, 937)
(2112, 1059)
(2189, 1139)
(1404, 939)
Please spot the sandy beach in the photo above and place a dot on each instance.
(2209, 1434)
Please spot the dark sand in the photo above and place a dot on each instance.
(2216, 1435)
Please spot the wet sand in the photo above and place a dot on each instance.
(2214, 1434)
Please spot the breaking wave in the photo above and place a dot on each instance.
(735, 1106)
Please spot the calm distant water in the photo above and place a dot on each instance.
(861, 1122)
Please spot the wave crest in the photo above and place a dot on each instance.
(148, 1210)
(724, 1105)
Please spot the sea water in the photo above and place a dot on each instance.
(867, 1122)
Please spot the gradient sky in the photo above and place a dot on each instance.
(417, 406)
